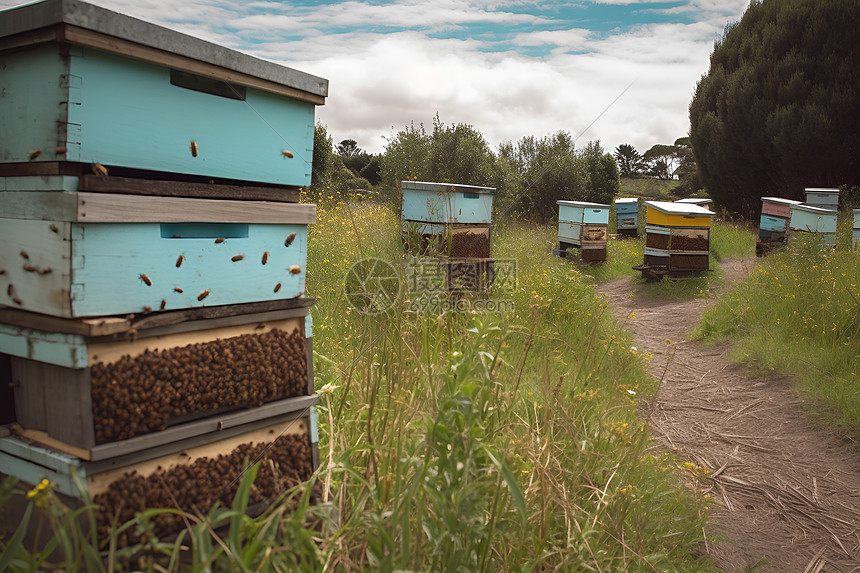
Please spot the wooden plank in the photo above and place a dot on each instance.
(100, 481)
(121, 208)
(68, 404)
(87, 327)
(114, 45)
(39, 205)
(203, 432)
(41, 169)
(259, 319)
(43, 438)
(108, 352)
(31, 473)
(135, 186)
(62, 349)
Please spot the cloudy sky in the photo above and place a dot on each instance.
(621, 71)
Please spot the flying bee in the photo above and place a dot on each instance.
(295, 269)
(277, 287)
(237, 258)
(35, 153)
(193, 149)
(177, 289)
(287, 154)
(145, 279)
(203, 295)
(99, 169)
(219, 240)
(180, 260)
(290, 238)
(265, 257)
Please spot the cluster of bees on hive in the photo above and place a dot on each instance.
(140, 394)
(470, 245)
(197, 485)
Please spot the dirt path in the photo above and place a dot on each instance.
(787, 492)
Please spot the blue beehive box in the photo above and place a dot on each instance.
(825, 198)
(585, 226)
(446, 203)
(627, 216)
(86, 85)
(809, 219)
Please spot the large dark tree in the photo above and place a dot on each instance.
(779, 108)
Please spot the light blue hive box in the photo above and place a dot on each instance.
(585, 226)
(627, 216)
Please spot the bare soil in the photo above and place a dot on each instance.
(787, 490)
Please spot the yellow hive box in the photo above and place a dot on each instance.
(670, 214)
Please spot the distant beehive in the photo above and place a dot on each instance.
(774, 223)
(810, 219)
(627, 216)
(856, 233)
(825, 198)
(584, 226)
(153, 258)
(451, 221)
(677, 238)
(700, 201)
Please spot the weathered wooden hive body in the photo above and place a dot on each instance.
(774, 223)
(627, 216)
(584, 226)
(153, 256)
(453, 222)
(677, 237)
(809, 219)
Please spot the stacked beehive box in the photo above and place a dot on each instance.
(774, 223)
(584, 226)
(627, 216)
(824, 198)
(451, 222)
(701, 202)
(677, 238)
(856, 233)
(152, 257)
(818, 220)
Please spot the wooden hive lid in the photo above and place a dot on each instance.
(781, 200)
(74, 22)
(672, 208)
(695, 201)
(627, 200)
(444, 187)
(584, 204)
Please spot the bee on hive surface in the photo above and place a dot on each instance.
(220, 425)
(290, 238)
(35, 153)
(24, 255)
(177, 289)
(17, 301)
(237, 258)
(277, 287)
(193, 149)
(99, 169)
(203, 295)
(147, 309)
(60, 150)
(54, 228)
(180, 260)
(163, 304)
(287, 154)
(145, 279)
(265, 257)
(220, 240)
(295, 269)
(30, 268)
(45, 271)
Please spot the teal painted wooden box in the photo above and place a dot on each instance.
(627, 213)
(856, 233)
(773, 223)
(95, 254)
(582, 212)
(84, 84)
(446, 203)
(813, 219)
